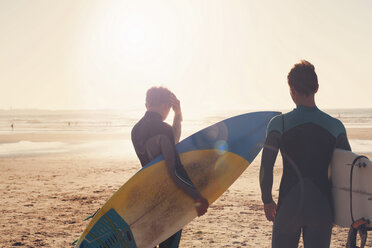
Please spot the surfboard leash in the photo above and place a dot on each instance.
(351, 183)
(91, 216)
(359, 226)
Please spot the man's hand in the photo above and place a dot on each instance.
(176, 105)
(201, 206)
(270, 211)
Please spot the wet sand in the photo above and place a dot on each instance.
(46, 197)
(62, 137)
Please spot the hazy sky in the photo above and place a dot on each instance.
(232, 54)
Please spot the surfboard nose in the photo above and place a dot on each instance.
(243, 135)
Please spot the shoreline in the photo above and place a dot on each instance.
(75, 137)
(68, 137)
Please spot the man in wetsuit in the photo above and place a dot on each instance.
(151, 136)
(306, 138)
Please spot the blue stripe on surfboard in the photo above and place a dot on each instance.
(110, 231)
(243, 135)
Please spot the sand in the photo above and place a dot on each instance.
(46, 197)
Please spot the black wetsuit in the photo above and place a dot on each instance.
(306, 138)
(150, 127)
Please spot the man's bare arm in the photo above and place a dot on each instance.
(176, 106)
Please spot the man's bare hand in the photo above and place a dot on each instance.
(270, 211)
(176, 105)
(201, 206)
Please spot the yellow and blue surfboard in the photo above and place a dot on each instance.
(149, 207)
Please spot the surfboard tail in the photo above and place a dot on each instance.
(111, 231)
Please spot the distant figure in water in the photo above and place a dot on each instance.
(12, 126)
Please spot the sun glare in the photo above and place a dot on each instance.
(132, 35)
(123, 43)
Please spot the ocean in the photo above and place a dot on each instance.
(121, 122)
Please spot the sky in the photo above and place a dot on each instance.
(213, 54)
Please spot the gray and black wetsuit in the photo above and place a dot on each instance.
(306, 138)
(152, 137)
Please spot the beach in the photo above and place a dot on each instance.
(76, 77)
(46, 196)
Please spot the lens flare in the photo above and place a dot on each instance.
(221, 147)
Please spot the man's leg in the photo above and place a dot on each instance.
(285, 237)
(172, 242)
(317, 229)
(287, 224)
(317, 236)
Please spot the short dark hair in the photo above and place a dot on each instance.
(156, 96)
(303, 78)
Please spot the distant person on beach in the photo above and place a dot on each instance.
(12, 126)
(306, 138)
(151, 136)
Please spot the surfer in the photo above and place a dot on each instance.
(151, 136)
(306, 138)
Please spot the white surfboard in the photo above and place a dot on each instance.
(361, 188)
